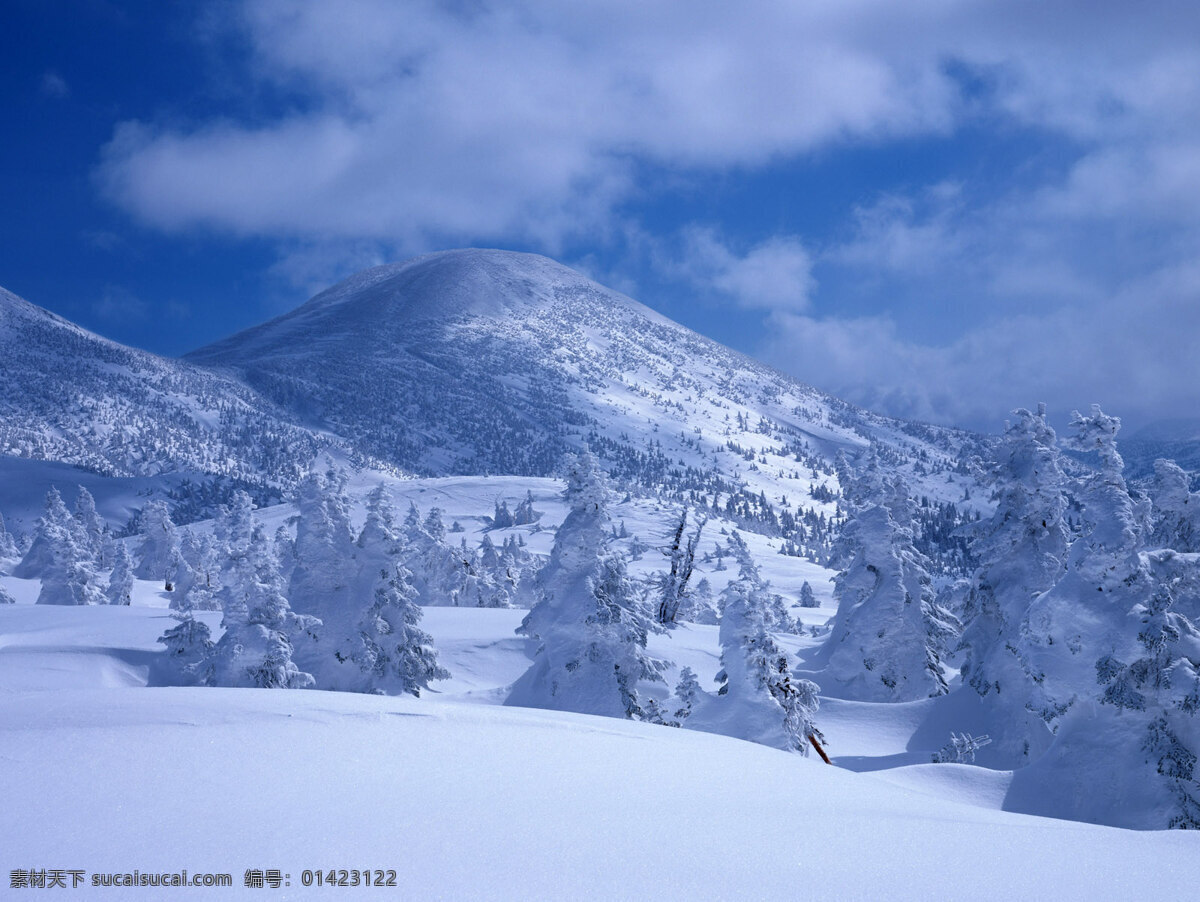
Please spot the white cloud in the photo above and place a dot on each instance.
(426, 122)
(429, 121)
(1133, 352)
(774, 276)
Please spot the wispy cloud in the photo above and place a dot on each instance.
(54, 86)
(775, 275)
(118, 305)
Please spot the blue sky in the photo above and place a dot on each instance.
(940, 209)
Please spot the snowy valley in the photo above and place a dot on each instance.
(475, 570)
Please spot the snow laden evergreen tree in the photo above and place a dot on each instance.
(502, 518)
(525, 515)
(60, 556)
(443, 575)
(700, 605)
(120, 581)
(1130, 760)
(758, 698)
(1069, 627)
(93, 532)
(774, 607)
(393, 654)
(324, 550)
(687, 691)
(158, 552)
(1176, 509)
(51, 525)
(807, 598)
(232, 532)
(197, 577)
(6, 598)
(8, 545)
(260, 628)
(673, 585)
(322, 579)
(1022, 551)
(591, 637)
(889, 635)
(497, 576)
(189, 657)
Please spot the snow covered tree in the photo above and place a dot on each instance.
(807, 598)
(502, 518)
(322, 579)
(70, 577)
(687, 691)
(489, 555)
(189, 656)
(1142, 740)
(758, 698)
(93, 532)
(324, 550)
(196, 583)
(395, 655)
(525, 515)
(1067, 627)
(1176, 509)
(1022, 551)
(53, 522)
(8, 545)
(260, 627)
(444, 575)
(699, 605)
(774, 608)
(6, 598)
(1161, 690)
(673, 586)
(158, 553)
(120, 581)
(889, 635)
(433, 526)
(591, 637)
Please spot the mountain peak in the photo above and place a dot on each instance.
(447, 283)
(431, 288)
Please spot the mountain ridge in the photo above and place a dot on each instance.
(72, 396)
(473, 362)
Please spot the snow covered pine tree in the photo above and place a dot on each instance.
(591, 638)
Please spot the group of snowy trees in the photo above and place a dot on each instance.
(1078, 625)
(591, 626)
(1104, 613)
(332, 609)
(70, 551)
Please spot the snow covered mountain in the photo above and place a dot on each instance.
(482, 361)
(70, 396)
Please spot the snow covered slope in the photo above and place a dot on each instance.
(70, 396)
(478, 361)
(470, 801)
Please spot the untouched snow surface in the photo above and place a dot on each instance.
(475, 802)
(471, 801)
